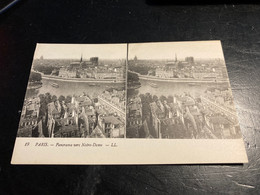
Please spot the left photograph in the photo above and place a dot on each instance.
(76, 90)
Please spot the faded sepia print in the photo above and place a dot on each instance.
(175, 90)
(179, 90)
(169, 100)
(75, 91)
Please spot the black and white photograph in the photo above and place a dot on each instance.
(75, 90)
(140, 96)
(129, 97)
(179, 90)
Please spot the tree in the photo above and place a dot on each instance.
(148, 98)
(132, 92)
(142, 97)
(43, 105)
(35, 77)
(54, 98)
(44, 69)
(141, 68)
(155, 98)
(48, 97)
(61, 98)
(170, 99)
(132, 77)
(95, 100)
(62, 111)
(68, 99)
(163, 98)
(42, 98)
(135, 92)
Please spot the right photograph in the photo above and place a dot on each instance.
(179, 90)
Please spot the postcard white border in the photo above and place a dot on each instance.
(129, 151)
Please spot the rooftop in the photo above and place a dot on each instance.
(219, 120)
(97, 132)
(112, 119)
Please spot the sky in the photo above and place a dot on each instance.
(74, 51)
(159, 50)
(167, 50)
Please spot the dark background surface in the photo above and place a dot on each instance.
(116, 21)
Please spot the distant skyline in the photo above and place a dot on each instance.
(146, 51)
(167, 50)
(74, 51)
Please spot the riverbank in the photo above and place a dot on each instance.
(34, 87)
(180, 80)
(82, 80)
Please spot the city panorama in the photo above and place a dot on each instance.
(179, 91)
(77, 94)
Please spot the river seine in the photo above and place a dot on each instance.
(72, 88)
(175, 88)
(93, 89)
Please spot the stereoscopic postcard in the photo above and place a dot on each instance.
(140, 103)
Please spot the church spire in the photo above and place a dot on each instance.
(175, 57)
(81, 59)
